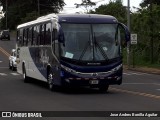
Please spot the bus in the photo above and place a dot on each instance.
(72, 50)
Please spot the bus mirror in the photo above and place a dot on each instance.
(61, 38)
(126, 37)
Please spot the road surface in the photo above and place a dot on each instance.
(139, 92)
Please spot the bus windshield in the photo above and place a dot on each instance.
(90, 42)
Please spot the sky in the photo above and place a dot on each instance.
(70, 7)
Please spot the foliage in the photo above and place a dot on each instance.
(114, 8)
(24, 10)
(86, 4)
(145, 22)
(145, 3)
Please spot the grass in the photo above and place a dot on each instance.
(140, 61)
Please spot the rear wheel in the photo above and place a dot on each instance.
(50, 80)
(26, 79)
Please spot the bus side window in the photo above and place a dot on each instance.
(55, 42)
(43, 34)
(27, 30)
(25, 37)
(38, 37)
(55, 35)
(20, 37)
(34, 36)
(30, 36)
(53, 39)
(48, 34)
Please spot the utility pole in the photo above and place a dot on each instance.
(128, 24)
(6, 13)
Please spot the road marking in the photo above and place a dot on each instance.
(4, 52)
(158, 89)
(136, 93)
(15, 74)
(3, 74)
(126, 74)
(1, 61)
(140, 83)
(136, 83)
(133, 73)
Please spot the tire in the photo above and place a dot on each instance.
(51, 85)
(26, 79)
(103, 88)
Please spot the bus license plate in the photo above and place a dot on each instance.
(94, 82)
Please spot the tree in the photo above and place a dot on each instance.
(145, 22)
(20, 11)
(114, 8)
(86, 4)
(145, 3)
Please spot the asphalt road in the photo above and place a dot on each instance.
(139, 92)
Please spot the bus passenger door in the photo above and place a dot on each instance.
(55, 58)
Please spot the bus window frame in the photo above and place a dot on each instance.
(27, 30)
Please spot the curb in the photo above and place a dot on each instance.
(144, 70)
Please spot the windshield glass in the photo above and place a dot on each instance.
(90, 42)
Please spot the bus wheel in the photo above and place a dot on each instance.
(26, 79)
(50, 81)
(103, 88)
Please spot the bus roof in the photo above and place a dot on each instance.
(72, 18)
(86, 18)
(39, 20)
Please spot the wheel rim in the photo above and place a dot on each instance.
(24, 75)
(50, 82)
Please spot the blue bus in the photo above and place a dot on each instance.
(72, 50)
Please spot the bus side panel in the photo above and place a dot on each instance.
(56, 72)
(41, 58)
(23, 57)
(37, 69)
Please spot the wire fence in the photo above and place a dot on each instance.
(143, 54)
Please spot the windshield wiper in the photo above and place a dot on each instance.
(84, 50)
(100, 48)
(116, 35)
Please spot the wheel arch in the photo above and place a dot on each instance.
(48, 68)
(23, 66)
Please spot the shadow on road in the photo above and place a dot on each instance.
(69, 89)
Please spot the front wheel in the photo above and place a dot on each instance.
(26, 79)
(103, 88)
(50, 80)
